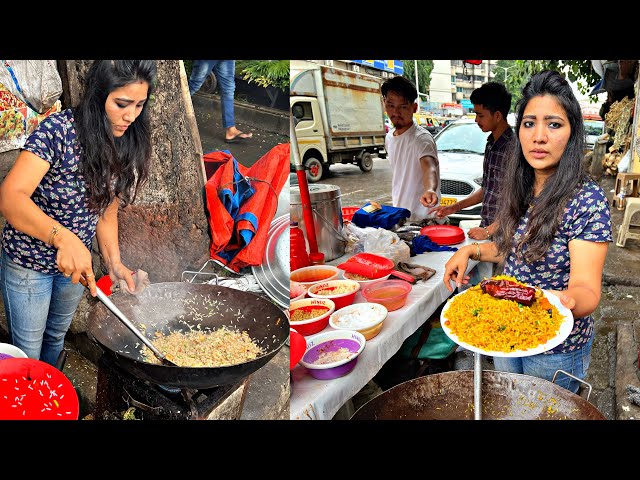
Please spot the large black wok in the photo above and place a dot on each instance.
(505, 396)
(175, 306)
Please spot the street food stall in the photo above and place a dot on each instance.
(313, 399)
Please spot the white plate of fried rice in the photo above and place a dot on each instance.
(503, 328)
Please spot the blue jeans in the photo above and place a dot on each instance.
(39, 308)
(225, 72)
(545, 366)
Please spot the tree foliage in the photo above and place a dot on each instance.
(266, 73)
(424, 73)
(580, 72)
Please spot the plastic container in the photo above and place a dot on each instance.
(10, 351)
(347, 213)
(313, 325)
(297, 291)
(297, 347)
(366, 318)
(363, 283)
(299, 257)
(307, 276)
(390, 293)
(340, 299)
(326, 343)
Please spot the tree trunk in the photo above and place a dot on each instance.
(166, 230)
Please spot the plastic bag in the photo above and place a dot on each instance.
(375, 240)
(17, 120)
(36, 82)
(625, 162)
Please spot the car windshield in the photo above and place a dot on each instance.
(462, 137)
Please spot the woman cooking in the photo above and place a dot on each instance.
(73, 173)
(554, 225)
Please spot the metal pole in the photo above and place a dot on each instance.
(477, 386)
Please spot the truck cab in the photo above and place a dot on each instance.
(338, 117)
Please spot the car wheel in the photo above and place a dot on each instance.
(210, 84)
(314, 169)
(366, 162)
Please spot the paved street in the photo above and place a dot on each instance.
(249, 120)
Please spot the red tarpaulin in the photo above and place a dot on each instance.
(242, 202)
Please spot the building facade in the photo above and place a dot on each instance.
(452, 81)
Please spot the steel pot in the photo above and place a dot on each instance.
(450, 396)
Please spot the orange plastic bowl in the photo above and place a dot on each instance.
(313, 274)
(339, 299)
(315, 324)
(390, 293)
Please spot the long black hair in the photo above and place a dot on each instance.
(113, 167)
(517, 194)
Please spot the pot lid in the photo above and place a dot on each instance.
(317, 192)
(443, 234)
(273, 273)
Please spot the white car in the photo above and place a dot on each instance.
(461, 147)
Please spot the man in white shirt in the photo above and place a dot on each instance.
(412, 153)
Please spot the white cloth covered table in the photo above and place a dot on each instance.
(313, 399)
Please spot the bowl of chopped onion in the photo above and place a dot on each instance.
(366, 318)
(332, 354)
(310, 315)
(297, 291)
(361, 279)
(342, 292)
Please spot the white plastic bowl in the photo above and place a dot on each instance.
(12, 350)
(364, 283)
(366, 318)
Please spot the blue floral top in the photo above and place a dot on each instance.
(60, 194)
(586, 217)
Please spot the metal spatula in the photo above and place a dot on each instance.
(122, 317)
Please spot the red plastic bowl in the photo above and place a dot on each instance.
(311, 325)
(339, 299)
(390, 293)
(443, 234)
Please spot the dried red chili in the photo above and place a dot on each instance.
(508, 290)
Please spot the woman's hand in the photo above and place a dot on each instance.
(567, 300)
(478, 233)
(74, 258)
(117, 272)
(456, 266)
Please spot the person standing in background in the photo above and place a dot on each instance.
(412, 153)
(225, 72)
(491, 103)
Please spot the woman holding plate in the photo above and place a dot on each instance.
(554, 226)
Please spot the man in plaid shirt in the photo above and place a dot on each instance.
(491, 103)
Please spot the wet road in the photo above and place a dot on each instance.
(248, 151)
(358, 187)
